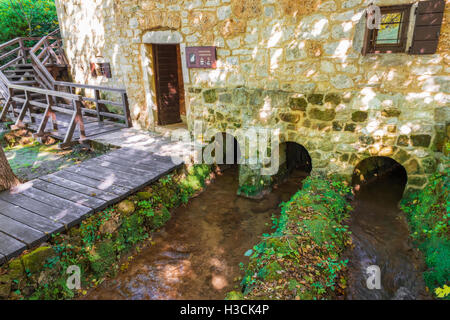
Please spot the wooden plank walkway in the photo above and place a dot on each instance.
(30, 213)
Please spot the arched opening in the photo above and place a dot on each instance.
(225, 149)
(298, 160)
(379, 178)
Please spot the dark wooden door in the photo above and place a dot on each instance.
(167, 83)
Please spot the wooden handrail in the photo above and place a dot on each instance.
(57, 94)
(49, 49)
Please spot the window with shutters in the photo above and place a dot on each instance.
(392, 34)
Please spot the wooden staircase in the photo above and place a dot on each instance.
(31, 96)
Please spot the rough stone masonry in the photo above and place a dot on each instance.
(290, 65)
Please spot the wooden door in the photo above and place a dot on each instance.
(167, 83)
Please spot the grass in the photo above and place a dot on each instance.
(428, 216)
(301, 259)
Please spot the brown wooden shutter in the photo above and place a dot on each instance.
(93, 67)
(107, 70)
(427, 29)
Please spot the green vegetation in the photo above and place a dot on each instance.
(30, 159)
(26, 18)
(104, 243)
(428, 215)
(302, 259)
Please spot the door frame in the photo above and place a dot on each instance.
(160, 37)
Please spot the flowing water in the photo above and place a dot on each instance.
(197, 254)
(381, 238)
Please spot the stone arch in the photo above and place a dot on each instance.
(374, 169)
(225, 148)
(293, 157)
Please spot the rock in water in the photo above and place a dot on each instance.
(403, 294)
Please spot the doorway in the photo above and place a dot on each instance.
(168, 83)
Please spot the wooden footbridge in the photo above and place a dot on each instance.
(32, 212)
(32, 96)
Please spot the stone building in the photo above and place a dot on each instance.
(311, 69)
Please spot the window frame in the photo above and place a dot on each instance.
(370, 45)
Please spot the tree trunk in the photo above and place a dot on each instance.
(7, 177)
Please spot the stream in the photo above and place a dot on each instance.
(197, 254)
(381, 237)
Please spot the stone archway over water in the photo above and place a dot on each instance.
(380, 176)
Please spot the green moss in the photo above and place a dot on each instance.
(15, 269)
(126, 207)
(35, 260)
(309, 241)
(298, 104)
(144, 195)
(210, 96)
(359, 116)
(324, 115)
(428, 216)
(102, 258)
(234, 295)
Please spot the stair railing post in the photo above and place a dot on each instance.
(23, 51)
(126, 109)
(48, 112)
(5, 109)
(77, 119)
(19, 122)
(97, 105)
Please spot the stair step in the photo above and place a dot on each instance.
(26, 82)
(20, 77)
(18, 70)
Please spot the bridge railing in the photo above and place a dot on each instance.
(49, 110)
(99, 101)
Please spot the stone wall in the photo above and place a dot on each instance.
(291, 65)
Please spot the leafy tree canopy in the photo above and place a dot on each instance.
(26, 18)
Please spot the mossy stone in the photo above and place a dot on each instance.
(144, 195)
(225, 98)
(35, 260)
(401, 156)
(417, 181)
(240, 96)
(366, 139)
(5, 286)
(390, 112)
(298, 104)
(210, 95)
(289, 117)
(255, 98)
(421, 140)
(337, 126)
(324, 115)
(359, 116)
(15, 269)
(103, 257)
(403, 141)
(126, 207)
(350, 127)
(315, 98)
(333, 98)
(429, 165)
